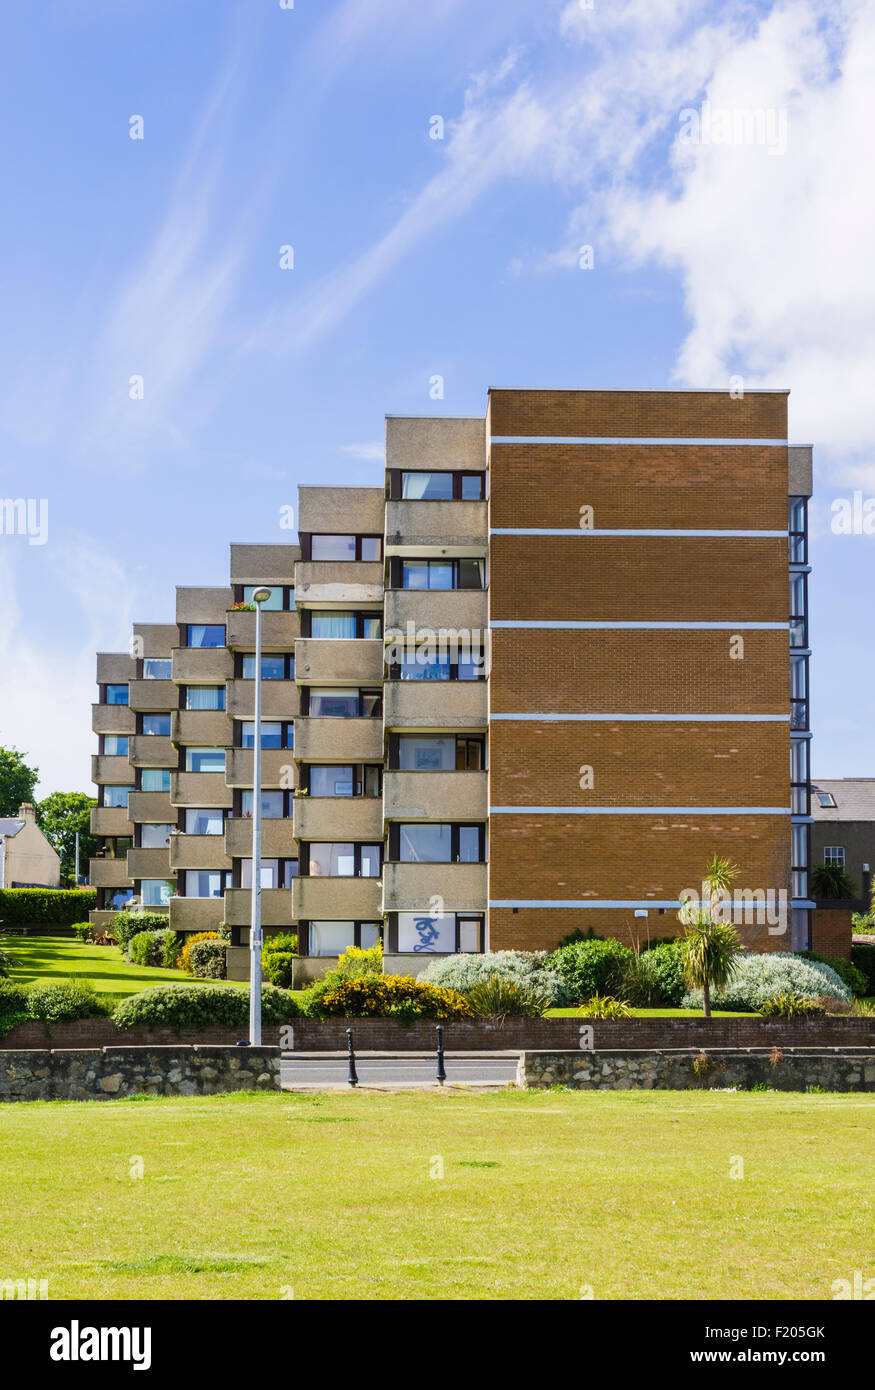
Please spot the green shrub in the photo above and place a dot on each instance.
(379, 996)
(147, 947)
(63, 1002)
(855, 979)
(170, 950)
(358, 960)
(863, 957)
(605, 1006)
(207, 960)
(279, 968)
(831, 881)
(83, 930)
(591, 967)
(760, 977)
(6, 964)
(497, 997)
(525, 968)
(13, 1005)
(577, 935)
(790, 1005)
(128, 924)
(283, 941)
(55, 906)
(664, 967)
(193, 939)
(196, 1007)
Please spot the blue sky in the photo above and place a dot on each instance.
(265, 127)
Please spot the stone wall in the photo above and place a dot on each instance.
(713, 1069)
(108, 1073)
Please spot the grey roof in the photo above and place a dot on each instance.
(10, 825)
(854, 798)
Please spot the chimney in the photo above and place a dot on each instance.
(26, 811)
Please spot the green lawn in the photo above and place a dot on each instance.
(50, 960)
(541, 1194)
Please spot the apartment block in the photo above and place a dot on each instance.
(527, 685)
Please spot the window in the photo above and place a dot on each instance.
(269, 873)
(423, 842)
(444, 486)
(155, 836)
(826, 799)
(155, 892)
(798, 611)
(834, 854)
(420, 933)
(324, 547)
(443, 574)
(204, 697)
(333, 938)
(339, 860)
(289, 871)
(426, 753)
(157, 668)
(206, 883)
(116, 695)
(205, 760)
(274, 604)
(336, 703)
(115, 745)
(115, 796)
(117, 846)
(422, 665)
(273, 666)
(204, 822)
(799, 764)
(206, 635)
(427, 487)
(798, 692)
(118, 897)
(798, 528)
(465, 662)
(155, 779)
(799, 858)
(157, 724)
(349, 780)
(272, 735)
(272, 805)
(332, 625)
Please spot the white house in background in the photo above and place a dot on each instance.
(27, 860)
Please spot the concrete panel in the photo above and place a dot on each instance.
(338, 818)
(110, 820)
(459, 527)
(151, 750)
(435, 796)
(279, 699)
(278, 631)
(332, 584)
(199, 789)
(112, 771)
(339, 740)
(277, 767)
(202, 665)
(200, 728)
(115, 668)
(337, 899)
(264, 564)
(149, 863)
(113, 719)
(276, 907)
(412, 887)
(202, 605)
(353, 661)
(277, 838)
(341, 510)
(413, 705)
(425, 442)
(198, 852)
(154, 695)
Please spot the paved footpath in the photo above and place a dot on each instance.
(302, 1071)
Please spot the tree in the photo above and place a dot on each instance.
(59, 816)
(710, 945)
(832, 881)
(17, 781)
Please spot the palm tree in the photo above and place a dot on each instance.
(710, 945)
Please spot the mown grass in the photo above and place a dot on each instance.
(461, 1195)
(51, 960)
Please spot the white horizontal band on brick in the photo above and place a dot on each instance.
(618, 531)
(582, 902)
(651, 718)
(620, 439)
(639, 811)
(633, 626)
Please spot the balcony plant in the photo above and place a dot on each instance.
(242, 608)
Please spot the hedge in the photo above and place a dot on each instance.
(863, 956)
(54, 906)
(57, 1003)
(197, 1007)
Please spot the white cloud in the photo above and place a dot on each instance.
(373, 451)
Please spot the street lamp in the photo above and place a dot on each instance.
(259, 597)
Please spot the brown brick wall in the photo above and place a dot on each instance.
(638, 764)
(659, 486)
(831, 931)
(630, 578)
(650, 671)
(542, 929)
(639, 414)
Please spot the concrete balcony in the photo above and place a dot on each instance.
(207, 789)
(198, 852)
(431, 610)
(108, 873)
(411, 887)
(413, 527)
(339, 740)
(338, 818)
(343, 661)
(115, 668)
(152, 806)
(196, 914)
(202, 665)
(153, 695)
(276, 907)
(339, 584)
(149, 863)
(110, 820)
(435, 705)
(113, 719)
(337, 899)
(278, 631)
(279, 699)
(201, 728)
(435, 796)
(277, 838)
(110, 770)
(152, 750)
(277, 767)
(155, 639)
(341, 510)
(264, 564)
(202, 605)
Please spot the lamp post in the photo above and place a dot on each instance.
(259, 597)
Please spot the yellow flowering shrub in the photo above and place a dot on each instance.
(383, 996)
(191, 940)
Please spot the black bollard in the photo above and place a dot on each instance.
(353, 1075)
(441, 1073)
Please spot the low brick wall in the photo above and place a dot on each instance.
(716, 1068)
(476, 1035)
(110, 1072)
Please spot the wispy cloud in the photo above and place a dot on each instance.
(373, 451)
